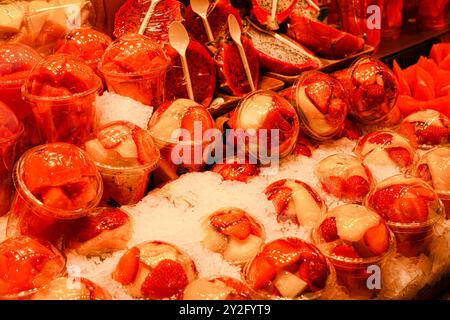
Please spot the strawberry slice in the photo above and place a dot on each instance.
(315, 272)
(319, 93)
(111, 136)
(302, 147)
(261, 273)
(56, 198)
(377, 239)
(346, 251)
(240, 230)
(409, 210)
(147, 151)
(424, 173)
(423, 192)
(382, 200)
(128, 267)
(335, 186)
(433, 135)
(381, 138)
(196, 117)
(279, 195)
(236, 172)
(166, 279)
(282, 253)
(400, 156)
(224, 219)
(329, 229)
(357, 186)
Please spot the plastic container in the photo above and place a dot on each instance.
(40, 24)
(354, 239)
(432, 15)
(372, 89)
(270, 121)
(321, 104)
(411, 208)
(55, 183)
(345, 177)
(135, 66)
(125, 155)
(64, 288)
(392, 19)
(11, 132)
(434, 168)
(283, 270)
(17, 60)
(26, 265)
(218, 288)
(61, 91)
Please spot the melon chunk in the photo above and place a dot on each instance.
(11, 18)
(127, 149)
(213, 240)
(289, 285)
(242, 250)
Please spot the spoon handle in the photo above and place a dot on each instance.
(147, 17)
(208, 29)
(187, 77)
(246, 65)
(274, 9)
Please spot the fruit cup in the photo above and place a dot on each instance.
(321, 104)
(84, 43)
(55, 183)
(64, 288)
(26, 264)
(426, 128)
(289, 268)
(296, 201)
(235, 169)
(11, 130)
(155, 270)
(233, 233)
(135, 66)
(411, 208)
(16, 61)
(355, 239)
(125, 155)
(392, 19)
(61, 91)
(264, 116)
(432, 15)
(345, 177)
(218, 288)
(104, 230)
(386, 148)
(178, 129)
(434, 168)
(372, 90)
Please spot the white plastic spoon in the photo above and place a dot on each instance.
(201, 7)
(179, 40)
(274, 9)
(148, 15)
(235, 32)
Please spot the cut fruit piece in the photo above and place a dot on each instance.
(262, 11)
(128, 266)
(289, 285)
(377, 239)
(345, 251)
(213, 239)
(329, 229)
(261, 273)
(127, 149)
(242, 250)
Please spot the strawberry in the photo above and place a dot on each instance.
(315, 272)
(279, 195)
(346, 251)
(56, 198)
(409, 210)
(128, 266)
(433, 135)
(261, 273)
(302, 147)
(335, 186)
(381, 138)
(375, 94)
(165, 280)
(350, 130)
(319, 93)
(423, 192)
(282, 253)
(236, 171)
(240, 230)
(357, 186)
(424, 173)
(147, 151)
(232, 223)
(329, 229)
(382, 200)
(110, 136)
(97, 293)
(377, 239)
(400, 156)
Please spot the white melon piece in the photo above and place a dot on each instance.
(379, 157)
(255, 111)
(37, 16)
(152, 254)
(134, 288)
(438, 162)
(127, 149)
(213, 240)
(240, 251)
(11, 18)
(203, 289)
(289, 285)
(63, 289)
(428, 116)
(99, 154)
(170, 120)
(341, 165)
(352, 221)
(306, 207)
(317, 121)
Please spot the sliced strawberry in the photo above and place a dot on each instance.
(279, 195)
(147, 151)
(400, 156)
(165, 280)
(377, 239)
(357, 186)
(409, 210)
(240, 230)
(236, 171)
(425, 193)
(433, 135)
(350, 130)
(282, 253)
(383, 199)
(227, 218)
(424, 173)
(346, 251)
(128, 267)
(319, 93)
(335, 186)
(315, 272)
(111, 136)
(381, 138)
(56, 198)
(302, 147)
(329, 229)
(261, 273)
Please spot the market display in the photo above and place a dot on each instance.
(295, 167)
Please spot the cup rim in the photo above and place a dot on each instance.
(16, 136)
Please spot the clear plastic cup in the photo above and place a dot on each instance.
(432, 15)
(55, 183)
(135, 66)
(218, 288)
(16, 62)
(411, 208)
(372, 89)
(357, 242)
(125, 155)
(392, 19)
(27, 264)
(61, 91)
(321, 104)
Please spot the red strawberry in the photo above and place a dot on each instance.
(279, 195)
(377, 239)
(128, 267)
(423, 192)
(433, 135)
(424, 173)
(282, 253)
(240, 230)
(346, 251)
(147, 151)
(319, 93)
(335, 185)
(357, 186)
(382, 200)
(375, 94)
(329, 229)
(165, 280)
(409, 210)
(400, 156)
(315, 272)
(261, 272)
(302, 148)
(381, 138)
(236, 171)
(232, 223)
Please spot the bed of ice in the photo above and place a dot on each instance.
(174, 214)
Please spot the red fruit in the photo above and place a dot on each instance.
(146, 150)
(319, 93)
(382, 200)
(236, 171)
(232, 223)
(279, 195)
(335, 186)
(350, 130)
(110, 136)
(55, 197)
(400, 156)
(302, 147)
(329, 229)
(282, 253)
(128, 267)
(408, 210)
(424, 173)
(423, 192)
(240, 230)
(315, 272)
(381, 138)
(357, 186)
(165, 280)
(262, 11)
(377, 239)
(346, 251)
(261, 273)
(433, 135)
